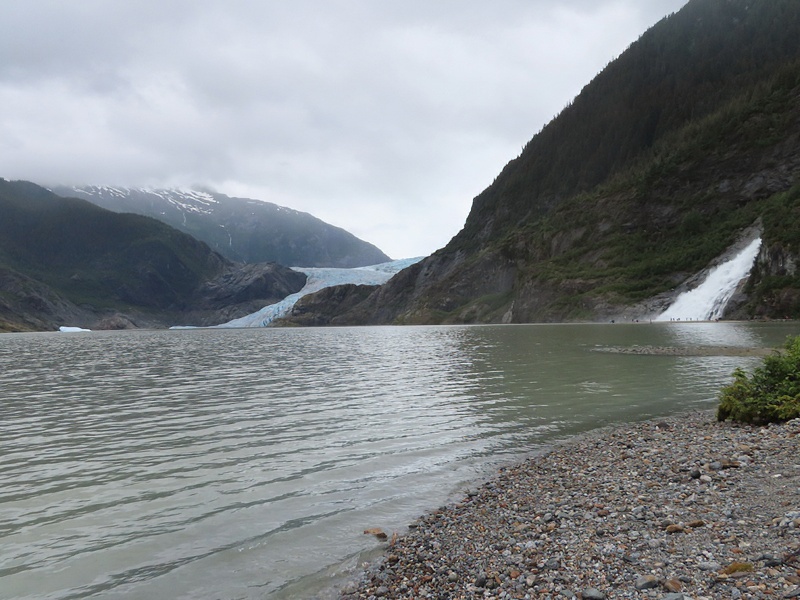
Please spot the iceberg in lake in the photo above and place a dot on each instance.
(66, 329)
(320, 278)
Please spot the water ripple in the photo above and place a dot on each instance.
(237, 464)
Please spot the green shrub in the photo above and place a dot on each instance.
(770, 395)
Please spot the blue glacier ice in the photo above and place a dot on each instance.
(319, 278)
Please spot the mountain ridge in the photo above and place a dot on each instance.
(65, 261)
(241, 229)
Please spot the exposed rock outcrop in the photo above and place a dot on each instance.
(28, 305)
(242, 290)
(322, 308)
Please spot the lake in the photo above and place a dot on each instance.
(244, 464)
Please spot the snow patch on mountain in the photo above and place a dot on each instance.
(185, 200)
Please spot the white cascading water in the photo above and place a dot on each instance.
(708, 300)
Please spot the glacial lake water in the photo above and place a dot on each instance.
(245, 464)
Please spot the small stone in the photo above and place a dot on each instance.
(381, 591)
(593, 594)
(351, 587)
(706, 478)
(480, 580)
(696, 524)
(672, 585)
(738, 568)
(647, 582)
(771, 561)
(675, 529)
(377, 532)
(553, 564)
(452, 577)
(709, 566)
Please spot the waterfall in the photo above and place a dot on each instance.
(708, 300)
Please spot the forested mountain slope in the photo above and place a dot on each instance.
(65, 261)
(687, 139)
(241, 229)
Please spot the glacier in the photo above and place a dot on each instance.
(708, 300)
(320, 278)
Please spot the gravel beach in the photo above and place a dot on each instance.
(680, 507)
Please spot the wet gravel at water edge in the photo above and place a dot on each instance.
(681, 507)
(689, 350)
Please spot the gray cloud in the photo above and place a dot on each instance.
(385, 118)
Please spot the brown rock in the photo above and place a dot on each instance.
(675, 528)
(672, 585)
(377, 532)
(696, 524)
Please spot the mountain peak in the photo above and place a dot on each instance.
(241, 229)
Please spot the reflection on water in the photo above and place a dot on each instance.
(713, 334)
(246, 463)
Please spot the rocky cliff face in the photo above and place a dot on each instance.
(774, 287)
(28, 305)
(563, 274)
(239, 291)
(322, 308)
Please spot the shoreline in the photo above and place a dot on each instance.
(675, 507)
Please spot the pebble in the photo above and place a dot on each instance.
(647, 582)
(663, 509)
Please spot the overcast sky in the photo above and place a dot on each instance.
(385, 117)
